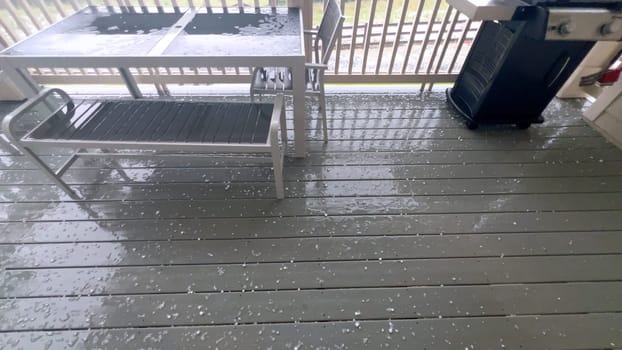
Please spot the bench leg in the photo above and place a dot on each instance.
(49, 172)
(278, 153)
(116, 166)
(277, 163)
(322, 99)
(7, 144)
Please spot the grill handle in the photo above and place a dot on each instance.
(558, 68)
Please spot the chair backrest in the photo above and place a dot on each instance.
(328, 32)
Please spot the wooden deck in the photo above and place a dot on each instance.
(405, 231)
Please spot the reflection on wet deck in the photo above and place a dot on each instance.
(405, 231)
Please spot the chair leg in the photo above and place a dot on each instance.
(283, 130)
(10, 147)
(323, 114)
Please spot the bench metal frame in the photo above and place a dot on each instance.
(245, 151)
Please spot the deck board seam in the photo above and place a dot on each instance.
(285, 261)
(344, 320)
(311, 289)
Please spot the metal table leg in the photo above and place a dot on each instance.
(132, 87)
(298, 80)
(20, 78)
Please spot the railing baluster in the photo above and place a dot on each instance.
(467, 27)
(437, 43)
(383, 38)
(208, 6)
(159, 6)
(3, 44)
(143, 8)
(59, 8)
(46, 14)
(74, 6)
(368, 32)
(398, 33)
(9, 32)
(439, 64)
(338, 44)
(426, 38)
(120, 5)
(19, 23)
(355, 25)
(413, 35)
(26, 8)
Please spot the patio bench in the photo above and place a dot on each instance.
(162, 128)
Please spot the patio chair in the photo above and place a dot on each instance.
(273, 80)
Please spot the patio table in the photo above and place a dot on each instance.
(127, 37)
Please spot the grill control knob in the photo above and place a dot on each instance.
(611, 27)
(566, 28)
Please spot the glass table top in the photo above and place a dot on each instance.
(102, 31)
(263, 33)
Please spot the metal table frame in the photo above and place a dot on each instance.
(15, 67)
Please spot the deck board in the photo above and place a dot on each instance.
(310, 305)
(311, 189)
(405, 231)
(140, 280)
(209, 252)
(532, 332)
(461, 175)
(396, 157)
(142, 229)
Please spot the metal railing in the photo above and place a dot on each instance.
(383, 41)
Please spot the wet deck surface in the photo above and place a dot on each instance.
(405, 231)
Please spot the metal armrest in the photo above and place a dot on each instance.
(317, 71)
(9, 120)
(318, 66)
(310, 32)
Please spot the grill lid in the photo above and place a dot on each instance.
(608, 4)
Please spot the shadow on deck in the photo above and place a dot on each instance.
(405, 231)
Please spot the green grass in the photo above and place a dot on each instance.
(349, 12)
(380, 13)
